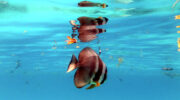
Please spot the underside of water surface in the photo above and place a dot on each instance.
(141, 40)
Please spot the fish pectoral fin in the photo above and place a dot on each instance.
(91, 86)
(98, 84)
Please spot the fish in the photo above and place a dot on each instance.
(89, 34)
(90, 69)
(92, 21)
(91, 4)
(87, 30)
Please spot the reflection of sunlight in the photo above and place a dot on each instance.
(77, 46)
(125, 1)
(177, 17)
(175, 3)
(177, 26)
(178, 44)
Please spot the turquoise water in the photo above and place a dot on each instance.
(141, 32)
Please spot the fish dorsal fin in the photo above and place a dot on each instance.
(73, 63)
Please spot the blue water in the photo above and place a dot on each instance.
(141, 32)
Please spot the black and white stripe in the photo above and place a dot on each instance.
(91, 69)
(101, 74)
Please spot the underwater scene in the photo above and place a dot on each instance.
(90, 50)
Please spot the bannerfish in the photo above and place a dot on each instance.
(92, 21)
(91, 4)
(87, 30)
(90, 69)
(89, 35)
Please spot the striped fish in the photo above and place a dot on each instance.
(88, 35)
(92, 21)
(91, 4)
(90, 69)
(87, 30)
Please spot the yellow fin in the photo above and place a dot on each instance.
(98, 84)
(103, 5)
(71, 40)
(91, 86)
(69, 37)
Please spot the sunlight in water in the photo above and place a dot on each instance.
(175, 3)
(178, 41)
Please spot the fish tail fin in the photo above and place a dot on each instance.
(103, 5)
(73, 63)
(71, 40)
